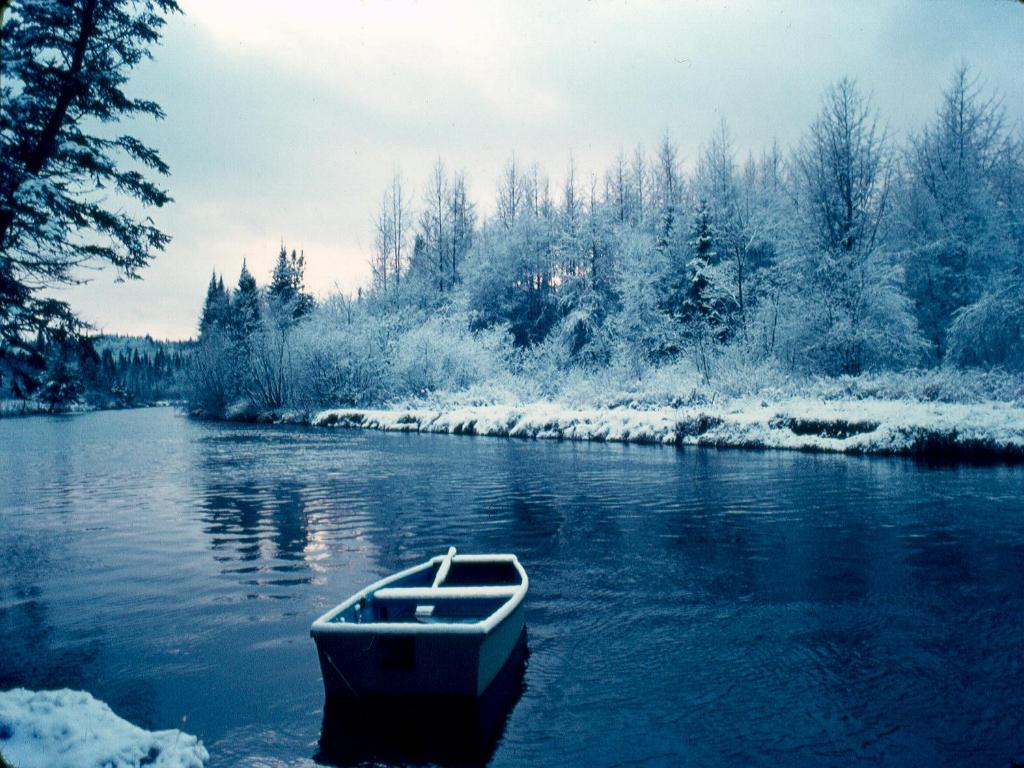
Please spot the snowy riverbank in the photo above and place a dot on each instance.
(987, 430)
(71, 729)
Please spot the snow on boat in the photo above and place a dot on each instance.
(442, 628)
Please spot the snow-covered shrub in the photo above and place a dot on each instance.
(737, 372)
(344, 363)
(442, 354)
(991, 331)
(946, 384)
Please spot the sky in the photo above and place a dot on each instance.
(285, 121)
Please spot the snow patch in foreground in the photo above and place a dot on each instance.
(71, 729)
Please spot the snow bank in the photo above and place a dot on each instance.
(71, 729)
(977, 430)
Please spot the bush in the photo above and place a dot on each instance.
(443, 355)
(344, 364)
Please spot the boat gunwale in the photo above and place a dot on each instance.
(325, 625)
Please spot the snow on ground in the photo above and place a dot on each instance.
(71, 729)
(990, 429)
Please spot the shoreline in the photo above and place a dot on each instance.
(29, 408)
(981, 432)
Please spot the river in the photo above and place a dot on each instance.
(687, 606)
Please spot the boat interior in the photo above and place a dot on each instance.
(447, 590)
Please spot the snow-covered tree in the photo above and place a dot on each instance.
(286, 296)
(854, 313)
(640, 176)
(641, 329)
(216, 307)
(667, 192)
(990, 331)
(71, 191)
(394, 221)
(570, 226)
(510, 278)
(619, 191)
(435, 233)
(729, 204)
(462, 220)
(702, 296)
(511, 194)
(956, 210)
(246, 314)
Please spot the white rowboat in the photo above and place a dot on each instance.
(442, 628)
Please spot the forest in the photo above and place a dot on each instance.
(893, 266)
(96, 372)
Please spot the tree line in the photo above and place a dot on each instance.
(852, 252)
(97, 372)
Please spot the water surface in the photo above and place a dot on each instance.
(687, 607)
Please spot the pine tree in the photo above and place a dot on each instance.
(699, 301)
(61, 383)
(304, 302)
(215, 307)
(65, 188)
(281, 291)
(287, 293)
(245, 306)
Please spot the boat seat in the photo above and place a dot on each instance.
(432, 594)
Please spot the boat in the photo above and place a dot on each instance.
(444, 628)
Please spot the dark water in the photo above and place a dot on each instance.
(686, 607)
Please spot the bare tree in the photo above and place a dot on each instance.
(462, 217)
(435, 226)
(510, 194)
(617, 191)
(571, 215)
(394, 218)
(640, 173)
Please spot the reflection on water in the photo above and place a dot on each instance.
(695, 606)
(420, 732)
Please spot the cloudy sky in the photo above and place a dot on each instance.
(286, 120)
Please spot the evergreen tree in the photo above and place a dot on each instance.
(245, 306)
(61, 383)
(700, 301)
(287, 295)
(215, 307)
(280, 291)
(64, 195)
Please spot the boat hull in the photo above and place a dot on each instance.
(416, 664)
(422, 730)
